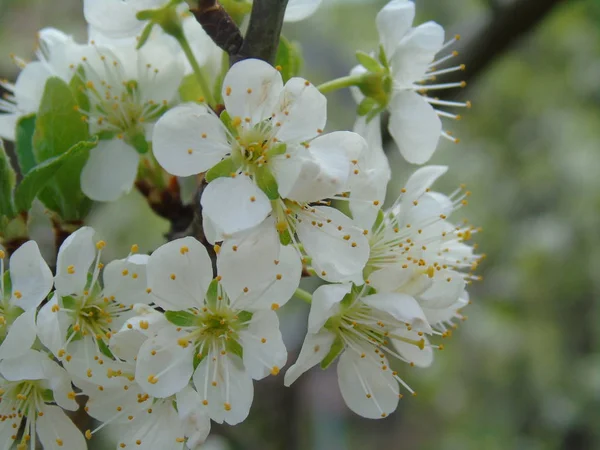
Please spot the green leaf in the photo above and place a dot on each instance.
(8, 179)
(37, 178)
(366, 106)
(266, 182)
(212, 294)
(24, 143)
(190, 90)
(59, 126)
(289, 58)
(223, 168)
(368, 62)
(336, 349)
(181, 318)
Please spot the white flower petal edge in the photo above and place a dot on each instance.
(75, 257)
(314, 349)
(30, 276)
(301, 9)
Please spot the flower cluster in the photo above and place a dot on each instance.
(162, 344)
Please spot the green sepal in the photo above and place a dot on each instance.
(228, 122)
(368, 62)
(382, 57)
(337, 348)
(348, 298)
(378, 220)
(37, 178)
(374, 112)
(104, 349)
(106, 135)
(59, 126)
(77, 85)
(366, 106)
(224, 168)
(145, 35)
(8, 179)
(181, 318)
(48, 396)
(7, 286)
(24, 143)
(288, 58)
(138, 141)
(198, 357)
(276, 150)
(245, 316)
(212, 294)
(266, 182)
(235, 347)
(285, 238)
(189, 89)
(69, 302)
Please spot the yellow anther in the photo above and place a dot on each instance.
(182, 342)
(275, 306)
(18, 294)
(100, 245)
(227, 406)
(152, 379)
(135, 248)
(71, 270)
(274, 370)
(144, 324)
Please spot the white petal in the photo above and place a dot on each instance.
(437, 315)
(160, 72)
(57, 432)
(110, 171)
(8, 124)
(189, 140)
(325, 304)
(29, 275)
(251, 89)
(355, 91)
(413, 353)
(195, 423)
(29, 366)
(103, 405)
(415, 126)
(164, 362)
(127, 341)
(335, 258)
(60, 383)
(235, 204)
(314, 349)
(125, 279)
(300, 9)
(21, 336)
(29, 87)
(239, 395)
(263, 358)
(401, 307)
(116, 18)
(301, 111)
(415, 52)
(161, 428)
(179, 273)
(393, 22)
(443, 293)
(324, 169)
(51, 326)
(359, 377)
(390, 277)
(284, 279)
(246, 261)
(78, 252)
(419, 182)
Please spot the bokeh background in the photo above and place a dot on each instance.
(523, 372)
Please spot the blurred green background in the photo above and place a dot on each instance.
(524, 371)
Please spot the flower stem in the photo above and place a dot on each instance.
(200, 74)
(303, 295)
(340, 83)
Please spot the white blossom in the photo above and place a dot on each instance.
(270, 159)
(22, 288)
(222, 337)
(86, 304)
(408, 54)
(359, 326)
(33, 389)
(127, 91)
(25, 95)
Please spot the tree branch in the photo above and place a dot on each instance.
(262, 37)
